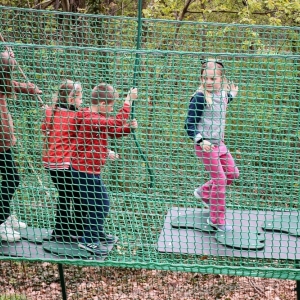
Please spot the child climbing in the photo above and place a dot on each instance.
(94, 126)
(59, 131)
(205, 124)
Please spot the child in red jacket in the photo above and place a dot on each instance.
(94, 126)
(59, 130)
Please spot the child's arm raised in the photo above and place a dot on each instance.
(26, 88)
(114, 126)
(233, 91)
(119, 131)
(131, 96)
(118, 126)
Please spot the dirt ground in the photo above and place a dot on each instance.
(28, 281)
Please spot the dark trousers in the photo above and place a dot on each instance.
(9, 184)
(93, 192)
(68, 222)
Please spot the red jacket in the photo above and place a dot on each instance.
(90, 147)
(59, 131)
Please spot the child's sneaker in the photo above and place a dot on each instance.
(197, 194)
(92, 247)
(7, 234)
(223, 228)
(13, 222)
(106, 239)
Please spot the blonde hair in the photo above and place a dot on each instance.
(7, 65)
(216, 65)
(67, 90)
(104, 92)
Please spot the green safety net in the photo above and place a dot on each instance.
(158, 221)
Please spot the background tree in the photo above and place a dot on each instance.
(271, 12)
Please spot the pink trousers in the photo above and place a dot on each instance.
(220, 164)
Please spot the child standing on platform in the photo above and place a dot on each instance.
(205, 124)
(94, 126)
(60, 130)
(9, 224)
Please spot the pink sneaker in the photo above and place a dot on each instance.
(197, 194)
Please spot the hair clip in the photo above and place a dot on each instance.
(216, 61)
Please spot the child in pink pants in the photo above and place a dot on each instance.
(220, 164)
(205, 124)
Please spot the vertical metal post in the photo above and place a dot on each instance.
(138, 45)
(135, 84)
(62, 281)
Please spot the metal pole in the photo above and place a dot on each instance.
(135, 84)
(62, 282)
(138, 47)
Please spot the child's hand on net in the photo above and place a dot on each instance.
(233, 89)
(33, 89)
(134, 124)
(132, 94)
(112, 155)
(10, 52)
(207, 146)
(28, 88)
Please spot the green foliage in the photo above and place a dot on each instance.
(271, 12)
(228, 11)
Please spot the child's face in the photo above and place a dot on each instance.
(77, 101)
(106, 108)
(212, 80)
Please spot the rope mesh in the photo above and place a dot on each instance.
(262, 129)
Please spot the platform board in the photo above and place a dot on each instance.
(35, 235)
(72, 250)
(23, 248)
(189, 241)
(48, 250)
